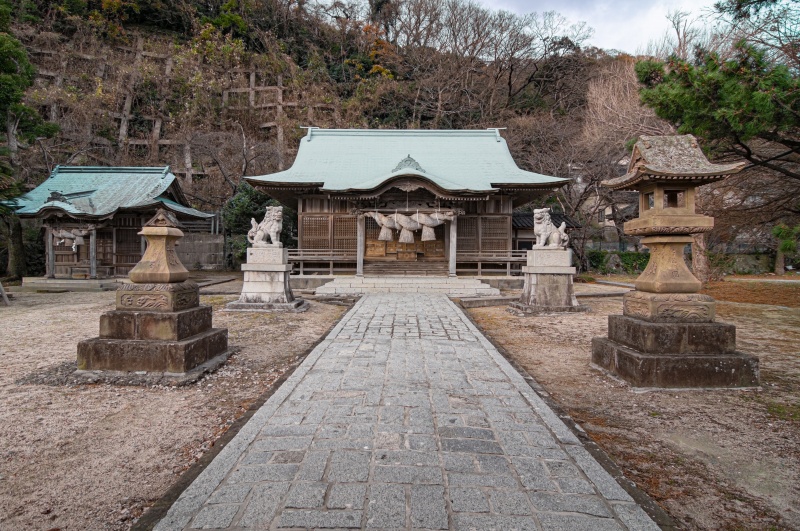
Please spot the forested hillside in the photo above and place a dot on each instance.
(220, 89)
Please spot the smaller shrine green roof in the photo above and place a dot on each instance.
(99, 192)
(353, 160)
(670, 158)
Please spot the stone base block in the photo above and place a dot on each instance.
(728, 369)
(284, 268)
(158, 297)
(550, 258)
(267, 255)
(672, 338)
(517, 308)
(546, 290)
(266, 287)
(171, 326)
(154, 378)
(297, 306)
(151, 355)
(669, 307)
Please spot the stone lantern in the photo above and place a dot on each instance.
(667, 336)
(159, 330)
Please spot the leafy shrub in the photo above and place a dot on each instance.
(631, 262)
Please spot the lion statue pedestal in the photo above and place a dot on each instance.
(548, 284)
(266, 273)
(548, 274)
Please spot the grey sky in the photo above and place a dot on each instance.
(625, 25)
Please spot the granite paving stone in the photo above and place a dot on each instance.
(306, 495)
(468, 499)
(347, 495)
(405, 417)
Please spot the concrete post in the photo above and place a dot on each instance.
(93, 254)
(453, 245)
(361, 234)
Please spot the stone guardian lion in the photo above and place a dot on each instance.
(271, 225)
(548, 235)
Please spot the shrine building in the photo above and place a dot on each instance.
(93, 215)
(385, 202)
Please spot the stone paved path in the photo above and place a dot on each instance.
(405, 417)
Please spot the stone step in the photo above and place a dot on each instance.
(453, 286)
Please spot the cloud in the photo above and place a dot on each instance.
(626, 25)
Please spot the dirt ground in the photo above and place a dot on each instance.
(88, 457)
(727, 459)
(95, 456)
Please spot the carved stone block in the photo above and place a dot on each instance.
(666, 271)
(550, 258)
(547, 292)
(669, 307)
(158, 297)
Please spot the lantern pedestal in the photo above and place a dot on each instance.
(674, 355)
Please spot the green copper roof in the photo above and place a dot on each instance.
(363, 159)
(97, 192)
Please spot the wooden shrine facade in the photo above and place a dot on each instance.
(343, 181)
(332, 232)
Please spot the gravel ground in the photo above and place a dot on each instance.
(96, 456)
(722, 459)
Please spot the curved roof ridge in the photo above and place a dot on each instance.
(454, 159)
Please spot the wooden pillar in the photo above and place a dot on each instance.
(453, 245)
(93, 254)
(51, 255)
(114, 259)
(361, 235)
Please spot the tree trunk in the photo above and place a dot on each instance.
(700, 264)
(11, 137)
(780, 262)
(16, 249)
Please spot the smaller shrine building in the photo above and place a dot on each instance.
(93, 215)
(344, 183)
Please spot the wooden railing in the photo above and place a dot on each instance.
(310, 255)
(491, 256)
(490, 262)
(329, 261)
(322, 261)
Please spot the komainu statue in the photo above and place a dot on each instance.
(271, 226)
(547, 234)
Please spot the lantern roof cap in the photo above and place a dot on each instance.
(670, 158)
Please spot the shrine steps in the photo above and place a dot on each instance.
(399, 269)
(452, 286)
